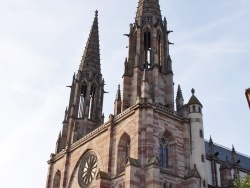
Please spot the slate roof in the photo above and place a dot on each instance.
(225, 152)
(194, 100)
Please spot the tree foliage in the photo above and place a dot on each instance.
(242, 182)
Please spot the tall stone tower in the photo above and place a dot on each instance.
(148, 49)
(84, 113)
(146, 143)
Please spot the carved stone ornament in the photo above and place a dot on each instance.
(87, 169)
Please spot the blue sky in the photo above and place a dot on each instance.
(41, 44)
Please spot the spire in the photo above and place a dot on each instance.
(148, 8)
(91, 56)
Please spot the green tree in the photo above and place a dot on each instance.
(242, 182)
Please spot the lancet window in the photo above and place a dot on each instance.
(82, 100)
(56, 181)
(91, 102)
(147, 49)
(123, 152)
(163, 153)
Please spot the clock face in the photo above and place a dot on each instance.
(87, 170)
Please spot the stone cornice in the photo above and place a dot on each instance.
(80, 142)
(140, 103)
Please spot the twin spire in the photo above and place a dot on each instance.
(91, 55)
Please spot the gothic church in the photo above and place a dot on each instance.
(145, 143)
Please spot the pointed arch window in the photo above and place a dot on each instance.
(165, 185)
(91, 102)
(57, 179)
(82, 100)
(163, 153)
(147, 49)
(123, 152)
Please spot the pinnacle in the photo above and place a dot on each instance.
(91, 56)
(233, 149)
(210, 140)
(118, 94)
(179, 92)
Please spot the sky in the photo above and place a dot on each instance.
(41, 45)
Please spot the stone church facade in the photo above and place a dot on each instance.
(145, 143)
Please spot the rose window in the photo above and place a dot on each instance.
(87, 170)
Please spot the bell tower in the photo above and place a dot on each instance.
(149, 50)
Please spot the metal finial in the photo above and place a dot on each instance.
(193, 91)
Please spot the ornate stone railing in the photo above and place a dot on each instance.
(94, 132)
(123, 113)
(158, 106)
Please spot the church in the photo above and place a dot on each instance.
(148, 141)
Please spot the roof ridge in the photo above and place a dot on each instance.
(224, 147)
